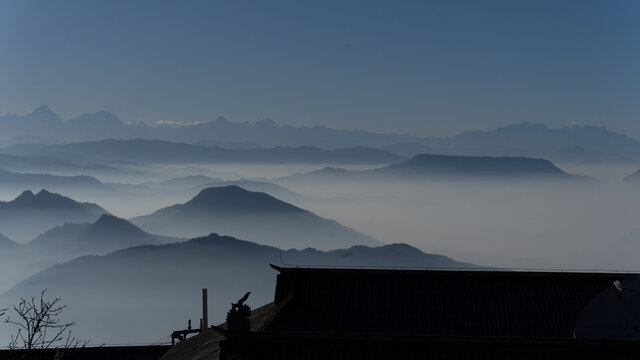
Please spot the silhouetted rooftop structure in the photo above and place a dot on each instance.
(381, 314)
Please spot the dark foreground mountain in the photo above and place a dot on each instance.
(435, 167)
(141, 294)
(254, 216)
(31, 214)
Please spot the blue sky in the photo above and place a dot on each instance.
(421, 67)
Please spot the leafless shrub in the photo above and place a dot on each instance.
(40, 325)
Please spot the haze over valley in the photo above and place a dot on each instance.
(111, 219)
(151, 149)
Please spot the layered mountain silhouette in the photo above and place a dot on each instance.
(44, 126)
(105, 235)
(184, 182)
(11, 180)
(266, 187)
(575, 143)
(135, 285)
(98, 125)
(166, 152)
(428, 166)
(198, 183)
(33, 165)
(202, 182)
(254, 216)
(31, 214)
(443, 165)
(69, 241)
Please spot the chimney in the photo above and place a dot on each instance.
(205, 312)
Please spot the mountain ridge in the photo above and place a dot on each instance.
(576, 143)
(439, 167)
(30, 214)
(108, 233)
(134, 281)
(163, 152)
(254, 216)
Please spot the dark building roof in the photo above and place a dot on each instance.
(205, 346)
(415, 314)
(439, 303)
(321, 346)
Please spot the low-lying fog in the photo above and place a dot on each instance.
(542, 224)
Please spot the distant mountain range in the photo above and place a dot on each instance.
(165, 152)
(155, 289)
(438, 167)
(31, 214)
(254, 216)
(55, 166)
(575, 143)
(44, 126)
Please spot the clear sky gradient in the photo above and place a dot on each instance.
(421, 67)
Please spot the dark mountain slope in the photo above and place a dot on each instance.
(155, 289)
(69, 241)
(251, 215)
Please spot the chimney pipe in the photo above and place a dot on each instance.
(205, 320)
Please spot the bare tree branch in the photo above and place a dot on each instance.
(40, 325)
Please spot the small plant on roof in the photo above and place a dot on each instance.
(238, 316)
